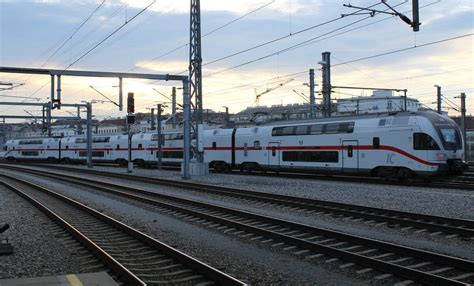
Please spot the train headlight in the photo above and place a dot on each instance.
(441, 156)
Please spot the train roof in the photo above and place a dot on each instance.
(428, 114)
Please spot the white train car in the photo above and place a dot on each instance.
(398, 145)
(388, 145)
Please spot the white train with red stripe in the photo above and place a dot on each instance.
(386, 145)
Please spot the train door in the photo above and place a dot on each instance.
(273, 153)
(350, 155)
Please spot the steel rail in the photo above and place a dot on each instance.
(447, 225)
(215, 275)
(240, 220)
(108, 260)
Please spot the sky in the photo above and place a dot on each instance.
(56, 34)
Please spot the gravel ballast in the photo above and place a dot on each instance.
(41, 247)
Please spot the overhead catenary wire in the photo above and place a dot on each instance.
(208, 33)
(110, 35)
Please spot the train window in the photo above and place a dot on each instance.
(350, 151)
(214, 145)
(94, 154)
(276, 131)
(274, 151)
(118, 147)
(100, 139)
(30, 142)
(256, 145)
(450, 138)
(288, 130)
(316, 129)
(140, 146)
(29, 153)
(171, 154)
(67, 147)
(81, 140)
(423, 141)
(332, 128)
(311, 156)
(376, 143)
(346, 127)
(301, 130)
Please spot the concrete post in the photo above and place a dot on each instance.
(463, 123)
(89, 134)
(187, 131)
(326, 63)
(312, 101)
(173, 107)
(160, 147)
(152, 119)
(58, 93)
(120, 94)
(438, 95)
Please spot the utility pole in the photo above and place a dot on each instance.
(438, 92)
(195, 78)
(173, 107)
(405, 100)
(187, 132)
(326, 76)
(49, 106)
(463, 123)
(160, 147)
(227, 119)
(312, 101)
(89, 134)
(152, 118)
(79, 124)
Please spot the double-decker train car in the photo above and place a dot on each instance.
(394, 145)
(397, 145)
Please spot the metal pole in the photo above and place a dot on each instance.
(227, 119)
(326, 63)
(186, 131)
(173, 106)
(152, 118)
(160, 147)
(438, 92)
(312, 102)
(79, 125)
(48, 117)
(58, 93)
(463, 123)
(405, 100)
(52, 96)
(89, 134)
(130, 162)
(120, 94)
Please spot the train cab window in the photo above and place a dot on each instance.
(423, 141)
(214, 145)
(376, 143)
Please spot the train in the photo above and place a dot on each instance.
(397, 145)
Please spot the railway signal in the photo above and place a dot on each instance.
(130, 103)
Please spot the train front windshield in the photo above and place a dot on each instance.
(451, 138)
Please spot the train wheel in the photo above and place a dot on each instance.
(404, 174)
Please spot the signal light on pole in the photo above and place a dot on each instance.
(130, 103)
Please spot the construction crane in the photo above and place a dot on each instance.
(270, 89)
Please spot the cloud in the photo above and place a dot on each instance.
(238, 7)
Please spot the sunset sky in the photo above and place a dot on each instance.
(49, 34)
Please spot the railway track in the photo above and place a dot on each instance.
(420, 222)
(361, 254)
(132, 256)
(465, 182)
